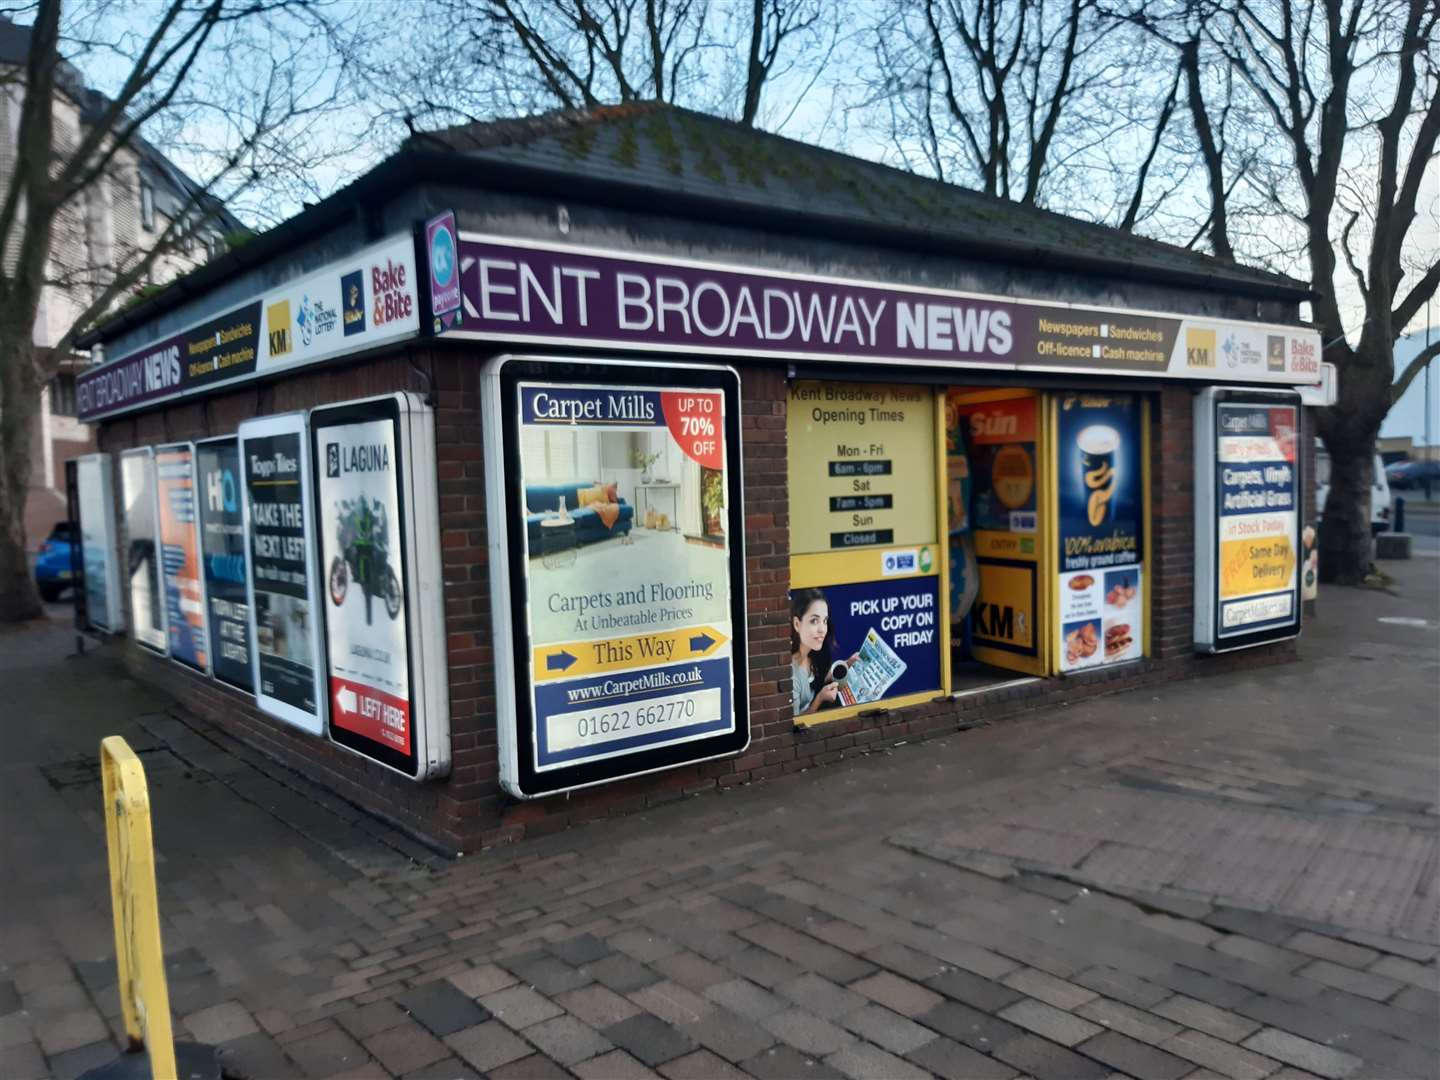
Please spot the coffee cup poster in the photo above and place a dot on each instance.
(1101, 522)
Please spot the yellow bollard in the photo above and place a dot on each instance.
(144, 996)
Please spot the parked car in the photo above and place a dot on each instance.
(1407, 475)
(52, 567)
(1379, 489)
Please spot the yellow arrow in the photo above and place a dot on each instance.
(572, 658)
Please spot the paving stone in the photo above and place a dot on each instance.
(54, 998)
(972, 989)
(597, 1005)
(1202, 1016)
(1411, 999)
(1413, 950)
(568, 1040)
(1054, 1024)
(1253, 924)
(532, 1067)
(692, 970)
(1047, 988)
(974, 1028)
(642, 945)
(1396, 1056)
(846, 935)
(731, 1036)
(487, 1046)
(9, 997)
(905, 961)
(1134, 1058)
(370, 1019)
(620, 973)
(33, 976)
(255, 1056)
(1302, 1053)
(806, 1032)
(1258, 952)
(744, 997)
(326, 1053)
(863, 1062)
(1364, 983)
(69, 1031)
(672, 1003)
(1328, 948)
(23, 1061)
(1225, 1058)
(1185, 929)
(1128, 1020)
(817, 994)
(15, 1030)
(220, 1023)
(442, 1007)
(1197, 984)
(649, 1039)
(482, 980)
(449, 1069)
(761, 966)
(581, 949)
(1122, 986)
(887, 1029)
(548, 974)
(905, 997)
(518, 1007)
(1425, 976)
(82, 1059)
(616, 1065)
(787, 1063)
(405, 1048)
(951, 1061)
(809, 953)
(1046, 1060)
(701, 1065)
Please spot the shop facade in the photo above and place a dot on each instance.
(499, 507)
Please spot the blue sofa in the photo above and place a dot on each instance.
(589, 529)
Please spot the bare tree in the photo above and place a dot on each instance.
(501, 58)
(1350, 92)
(242, 72)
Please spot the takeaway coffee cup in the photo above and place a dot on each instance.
(1098, 444)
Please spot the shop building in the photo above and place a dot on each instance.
(563, 466)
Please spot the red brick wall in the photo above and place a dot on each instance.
(468, 810)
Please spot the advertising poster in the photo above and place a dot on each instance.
(97, 539)
(362, 553)
(180, 568)
(1257, 486)
(864, 543)
(1099, 446)
(630, 613)
(1002, 434)
(222, 545)
(282, 618)
(142, 558)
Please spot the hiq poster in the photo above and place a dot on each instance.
(181, 572)
(222, 544)
(1099, 444)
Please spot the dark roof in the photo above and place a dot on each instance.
(675, 154)
(663, 159)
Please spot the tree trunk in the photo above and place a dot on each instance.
(19, 406)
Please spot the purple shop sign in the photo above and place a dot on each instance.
(443, 262)
(574, 296)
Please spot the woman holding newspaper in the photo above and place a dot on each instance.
(814, 678)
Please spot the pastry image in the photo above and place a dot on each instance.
(1081, 643)
(1117, 638)
(1081, 582)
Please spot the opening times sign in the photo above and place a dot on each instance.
(625, 531)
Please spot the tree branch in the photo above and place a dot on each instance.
(1412, 369)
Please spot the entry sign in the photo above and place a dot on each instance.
(1247, 520)
(620, 599)
(373, 462)
(279, 539)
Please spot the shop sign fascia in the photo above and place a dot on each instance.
(1261, 455)
(546, 664)
(386, 662)
(94, 480)
(520, 290)
(354, 304)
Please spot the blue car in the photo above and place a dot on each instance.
(52, 567)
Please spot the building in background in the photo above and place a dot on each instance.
(129, 210)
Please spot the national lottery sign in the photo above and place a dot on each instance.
(620, 601)
(1247, 518)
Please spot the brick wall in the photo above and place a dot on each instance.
(468, 810)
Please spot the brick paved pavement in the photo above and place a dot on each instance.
(1233, 877)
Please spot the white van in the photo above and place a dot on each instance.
(1379, 489)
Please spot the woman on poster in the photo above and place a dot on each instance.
(813, 678)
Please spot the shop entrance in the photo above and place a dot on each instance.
(996, 501)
